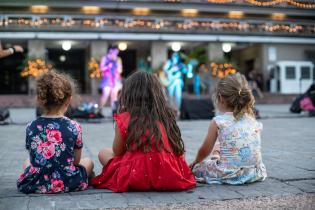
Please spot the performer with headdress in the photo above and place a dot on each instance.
(111, 68)
(175, 70)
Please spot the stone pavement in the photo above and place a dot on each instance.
(288, 144)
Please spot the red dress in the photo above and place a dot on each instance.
(140, 171)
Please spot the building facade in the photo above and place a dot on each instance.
(253, 34)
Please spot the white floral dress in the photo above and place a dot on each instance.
(240, 153)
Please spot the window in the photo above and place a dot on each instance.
(272, 73)
(305, 72)
(290, 72)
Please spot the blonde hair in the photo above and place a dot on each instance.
(236, 93)
(54, 89)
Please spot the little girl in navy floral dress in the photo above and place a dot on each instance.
(54, 142)
(233, 136)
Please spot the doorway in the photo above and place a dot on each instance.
(129, 61)
(71, 62)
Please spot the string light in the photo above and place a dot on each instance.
(291, 29)
(221, 1)
(260, 3)
(276, 2)
(94, 69)
(264, 3)
(35, 68)
(157, 24)
(222, 69)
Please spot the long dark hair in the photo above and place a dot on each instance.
(143, 97)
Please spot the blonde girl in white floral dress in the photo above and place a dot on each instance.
(236, 136)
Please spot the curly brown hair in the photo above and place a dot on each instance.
(143, 97)
(53, 90)
(236, 93)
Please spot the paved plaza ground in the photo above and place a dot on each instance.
(288, 144)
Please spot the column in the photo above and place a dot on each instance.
(215, 51)
(97, 50)
(158, 54)
(36, 49)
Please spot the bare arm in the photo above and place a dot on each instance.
(118, 144)
(207, 144)
(102, 64)
(77, 156)
(119, 65)
(10, 51)
(5, 53)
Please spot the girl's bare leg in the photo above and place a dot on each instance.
(88, 164)
(105, 155)
(114, 94)
(105, 95)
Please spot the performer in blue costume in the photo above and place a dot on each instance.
(175, 70)
(111, 68)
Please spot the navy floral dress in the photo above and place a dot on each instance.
(51, 143)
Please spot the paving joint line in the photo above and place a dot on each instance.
(28, 203)
(292, 180)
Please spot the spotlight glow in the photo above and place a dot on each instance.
(226, 47)
(122, 46)
(66, 45)
(278, 16)
(141, 11)
(236, 14)
(39, 8)
(91, 9)
(189, 12)
(62, 58)
(176, 46)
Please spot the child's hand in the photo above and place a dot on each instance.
(192, 165)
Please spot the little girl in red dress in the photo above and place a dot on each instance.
(148, 151)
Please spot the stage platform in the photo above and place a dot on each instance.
(194, 107)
